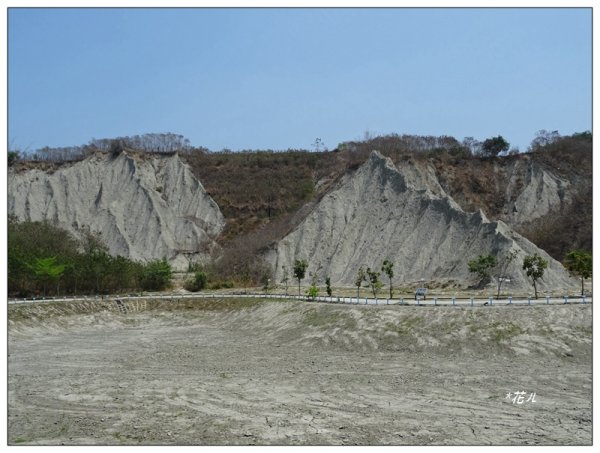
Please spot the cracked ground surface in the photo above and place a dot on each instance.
(241, 372)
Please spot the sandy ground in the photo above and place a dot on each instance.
(243, 372)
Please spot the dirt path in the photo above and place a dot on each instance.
(292, 373)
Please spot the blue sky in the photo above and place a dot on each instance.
(279, 78)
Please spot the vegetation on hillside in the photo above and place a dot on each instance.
(44, 260)
(570, 228)
(252, 188)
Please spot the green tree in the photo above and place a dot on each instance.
(579, 263)
(494, 146)
(313, 291)
(505, 263)
(482, 266)
(47, 270)
(361, 277)
(586, 135)
(300, 271)
(156, 275)
(98, 266)
(119, 274)
(388, 269)
(13, 156)
(198, 283)
(328, 286)
(374, 281)
(534, 267)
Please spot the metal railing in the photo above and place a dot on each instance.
(432, 301)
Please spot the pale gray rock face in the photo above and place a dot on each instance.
(378, 213)
(144, 208)
(543, 193)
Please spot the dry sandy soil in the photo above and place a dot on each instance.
(239, 372)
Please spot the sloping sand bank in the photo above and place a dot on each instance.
(239, 372)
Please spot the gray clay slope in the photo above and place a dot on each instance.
(378, 212)
(144, 208)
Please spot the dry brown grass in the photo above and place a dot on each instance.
(259, 188)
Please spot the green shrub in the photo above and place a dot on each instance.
(156, 275)
(197, 283)
(313, 292)
(45, 259)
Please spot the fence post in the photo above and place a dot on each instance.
(435, 301)
(528, 300)
(453, 300)
(402, 301)
(471, 301)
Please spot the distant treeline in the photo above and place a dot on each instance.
(167, 143)
(44, 260)
(162, 143)
(432, 146)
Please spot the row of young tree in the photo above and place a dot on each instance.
(578, 262)
(365, 277)
(44, 260)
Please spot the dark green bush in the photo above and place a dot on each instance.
(87, 267)
(197, 283)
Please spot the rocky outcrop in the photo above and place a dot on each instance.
(541, 193)
(144, 208)
(378, 213)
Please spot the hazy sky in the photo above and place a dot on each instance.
(279, 78)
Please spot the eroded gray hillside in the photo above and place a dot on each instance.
(377, 213)
(144, 208)
(542, 193)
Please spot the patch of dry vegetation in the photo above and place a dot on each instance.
(258, 187)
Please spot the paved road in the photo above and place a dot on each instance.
(428, 302)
